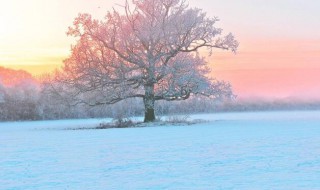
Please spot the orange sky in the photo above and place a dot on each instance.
(278, 57)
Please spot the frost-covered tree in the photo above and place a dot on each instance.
(148, 50)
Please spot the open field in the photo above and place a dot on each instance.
(262, 150)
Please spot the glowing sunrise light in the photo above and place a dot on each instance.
(273, 35)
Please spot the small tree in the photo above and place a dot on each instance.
(150, 51)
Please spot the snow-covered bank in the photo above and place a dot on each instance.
(264, 150)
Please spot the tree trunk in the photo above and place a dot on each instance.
(148, 101)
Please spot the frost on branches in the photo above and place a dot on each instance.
(149, 52)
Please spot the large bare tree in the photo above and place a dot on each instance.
(149, 50)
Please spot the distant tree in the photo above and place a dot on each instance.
(19, 93)
(2, 93)
(11, 77)
(2, 101)
(149, 51)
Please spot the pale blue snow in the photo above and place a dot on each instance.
(264, 150)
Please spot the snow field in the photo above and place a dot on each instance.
(264, 150)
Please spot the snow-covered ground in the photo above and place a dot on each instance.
(264, 150)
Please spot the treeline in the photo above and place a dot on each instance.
(22, 97)
(267, 105)
(27, 101)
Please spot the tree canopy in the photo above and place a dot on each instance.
(148, 50)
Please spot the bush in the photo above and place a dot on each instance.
(177, 119)
(117, 123)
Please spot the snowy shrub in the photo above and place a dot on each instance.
(119, 123)
(175, 119)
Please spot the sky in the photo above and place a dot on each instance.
(278, 56)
